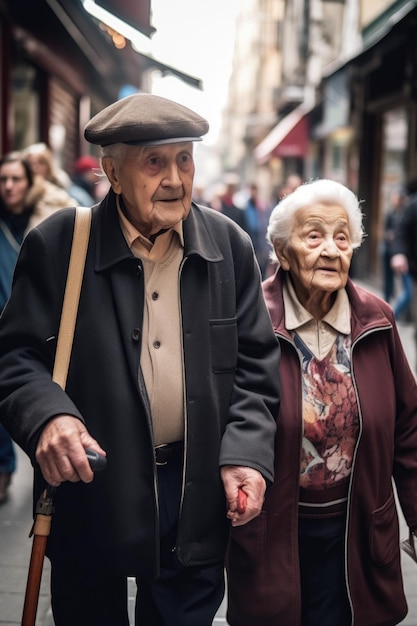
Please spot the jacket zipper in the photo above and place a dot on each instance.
(184, 464)
(144, 395)
(359, 338)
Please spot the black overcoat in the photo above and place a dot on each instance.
(231, 387)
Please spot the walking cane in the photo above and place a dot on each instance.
(40, 532)
(44, 507)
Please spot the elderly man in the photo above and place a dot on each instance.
(173, 376)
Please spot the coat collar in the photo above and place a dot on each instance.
(112, 247)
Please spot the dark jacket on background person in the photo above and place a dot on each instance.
(226, 333)
(270, 582)
(405, 235)
(234, 212)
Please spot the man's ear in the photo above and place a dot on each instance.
(107, 164)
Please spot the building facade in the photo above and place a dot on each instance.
(59, 65)
(339, 101)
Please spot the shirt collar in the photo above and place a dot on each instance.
(296, 315)
(131, 233)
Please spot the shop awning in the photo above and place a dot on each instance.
(136, 13)
(115, 13)
(392, 18)
(289, 138)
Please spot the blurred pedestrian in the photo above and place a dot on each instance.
(292, 181)
(227, 202)
(199, 195)
(21, 208)
(215, 197)
(82, 187)
(401, 301)
(325, 550)
(290, 184)
(404, 248)
(55, 195)
(256, 216)
(172, 375)
(42, 162)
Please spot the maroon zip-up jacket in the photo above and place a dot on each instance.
(263, 568)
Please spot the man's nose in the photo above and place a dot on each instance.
(171, 176)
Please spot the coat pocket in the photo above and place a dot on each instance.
(247, 567)
(384, 534)
(247, 542)
(262, 576)
(224, 344)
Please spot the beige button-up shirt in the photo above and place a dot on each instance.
(318, 335)
(161, 355)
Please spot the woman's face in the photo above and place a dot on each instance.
(39, 165)
(14, 186)
(319, 251)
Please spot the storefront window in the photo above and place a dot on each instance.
(394, 146)
(25, 106)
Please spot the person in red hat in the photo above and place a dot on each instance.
(85, 183)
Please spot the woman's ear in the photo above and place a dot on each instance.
(282, 258)
(107, 164)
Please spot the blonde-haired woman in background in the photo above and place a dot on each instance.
(55, 194)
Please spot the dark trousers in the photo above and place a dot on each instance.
(322, 560)
(182, 596)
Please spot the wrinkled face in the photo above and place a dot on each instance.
(14, 186)
(319, 252)
(156, 184)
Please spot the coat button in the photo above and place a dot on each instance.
(136, 334)
(155, 295)
(157, 344)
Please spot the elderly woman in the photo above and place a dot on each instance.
(325, 550)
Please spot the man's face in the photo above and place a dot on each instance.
(14, 186)
(319, 251)
(156, 184)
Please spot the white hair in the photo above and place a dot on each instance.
(321, 191)
(115, 151)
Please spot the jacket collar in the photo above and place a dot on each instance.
(367, 310)
(199, 235)
(112, 247)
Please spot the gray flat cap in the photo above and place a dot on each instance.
(145, 119)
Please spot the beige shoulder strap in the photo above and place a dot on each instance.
(72, 294)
